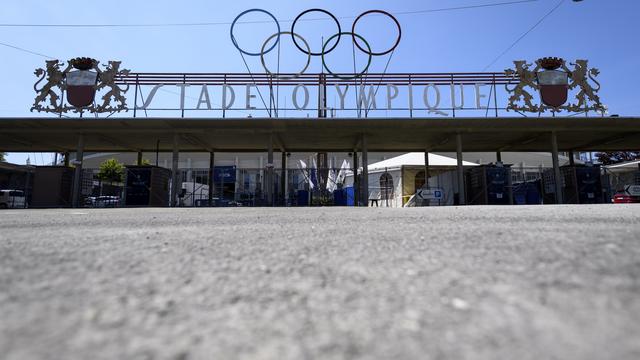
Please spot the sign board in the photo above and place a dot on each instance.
(430, 194)
(633, 190)
(439, 94)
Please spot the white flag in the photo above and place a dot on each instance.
(303, 167)
(331, 181)
(313, 174)
(342, 174)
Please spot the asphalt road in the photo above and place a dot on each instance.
(552, 282)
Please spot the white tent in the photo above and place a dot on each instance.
(393, 181)
(417, 159)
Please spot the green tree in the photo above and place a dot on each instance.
(112, 171)
(614, 157)
(144, 162)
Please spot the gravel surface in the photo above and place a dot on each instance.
(530, 282)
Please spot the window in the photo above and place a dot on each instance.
(419, 181)
(386, 186)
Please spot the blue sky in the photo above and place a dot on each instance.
(605, 32)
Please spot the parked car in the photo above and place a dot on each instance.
(102, 201)
(12, 199)
(90, 201)
(625, 198)
(107, 201)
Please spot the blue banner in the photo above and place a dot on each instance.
(225, 174)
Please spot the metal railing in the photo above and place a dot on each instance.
(320, 187)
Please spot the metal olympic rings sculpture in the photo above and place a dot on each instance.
(307, 50)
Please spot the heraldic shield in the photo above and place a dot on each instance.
(554, 84)
(81, 79)
(81, 84)
(554, 80)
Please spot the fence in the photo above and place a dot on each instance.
(233, 186)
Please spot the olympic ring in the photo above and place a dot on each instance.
(347, 77)
(293, 35)
(353, 31)
(233, 24)
(309, 52)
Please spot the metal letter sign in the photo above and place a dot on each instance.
(81, 86)
(74, 86)
(551, 78)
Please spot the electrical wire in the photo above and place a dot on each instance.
(246, 22)
(196, 24)
(524, 35)
(25, 50)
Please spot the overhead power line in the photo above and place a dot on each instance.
(25, 50)
(524, 35)
(464, 7)
(196, 24)
(228, 23)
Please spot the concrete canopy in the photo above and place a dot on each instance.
(33, 134)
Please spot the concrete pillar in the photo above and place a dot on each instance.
(260, 179)
(77, 176)
(239, 183)
(283, 178)
(269, 181)
(556, 167)
(356, 182)
(286, 182)
(426, 176)
(426, 168)
(572, 160)
(365, 172)
(461, 189)
(139, 158)
(210, 183)
(176, 187)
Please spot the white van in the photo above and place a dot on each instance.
(12, 199)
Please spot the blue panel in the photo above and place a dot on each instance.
(225, 174)
(303, 198)
(340, 197)
(350, 196)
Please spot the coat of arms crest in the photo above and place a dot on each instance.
(80, 80)
(554, 80)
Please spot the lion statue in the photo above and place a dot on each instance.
(580, 79)
(55, 78)
(527, 79)
(108, 78)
